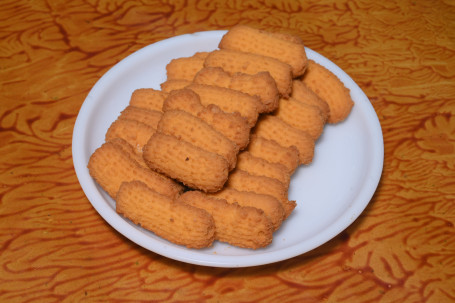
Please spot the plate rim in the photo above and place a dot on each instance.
(188, 255)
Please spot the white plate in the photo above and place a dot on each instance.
(331, 192)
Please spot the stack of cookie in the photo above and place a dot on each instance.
(210, 155)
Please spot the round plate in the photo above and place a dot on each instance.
(330, 193)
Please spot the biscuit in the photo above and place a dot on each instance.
(213, 76)
(148, 98)
(273, 152)
(176, 222)
(146, 116)
(243, 181)
(240, 62)
(242, 226)
(201, 55)
(329, 88)
(302, 93)
(184, 68)
(134, 132)
(191, 129)
(229, 100)
(183, 99)
(260, 84)
(191, 165)
(232, 125)
(302, 116)
(127, 148)
(261, 167)
(273, 128)
(270, 205)
(110, 166)
(250, 40)
(175, 84)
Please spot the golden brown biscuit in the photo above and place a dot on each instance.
(260, 84)
(201, 55)
(270, 205)
(184, 68)
(148, 98)
(191, 165)
(301, 92)
(126, 147)
(175, 84)
(176, 222)
(273, 152)
(243, 181)
(110, 166)
(232, 125)
(191, 129)
(242, 226)
(135, 133)
(146, 116)
(229, 100)
(240, 62)
(250, 40)
(273, 128)
(183, 99)
(213, 76)
(261, 167)
(327, 86)
(302, 116)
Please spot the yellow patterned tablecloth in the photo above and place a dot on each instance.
(55, 247)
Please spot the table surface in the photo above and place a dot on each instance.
(56, 248)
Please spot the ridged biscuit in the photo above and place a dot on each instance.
(146, 116)
(251, 40)
(243, 181)
(302, 116)
(201, 55)
(229, 100)
(261, 167)
(175, 84)
(242, 226)
(270, 205)
(126, 147)
(240, 62)
(148, 98)
(135, 133)
(301, 92)
(176, 222)
(329, 87)
(273, 128)
(273, 152)
(191, 165)
(260, 84)
(232, 125)
(110, 166)
(191, 129)
(184, 68)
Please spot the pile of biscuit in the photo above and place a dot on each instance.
(210, 155)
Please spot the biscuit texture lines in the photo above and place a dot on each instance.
(248, 39)
(242, 226)
(180, 223)
(110, 166)
(326, 85)
(191, 165)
